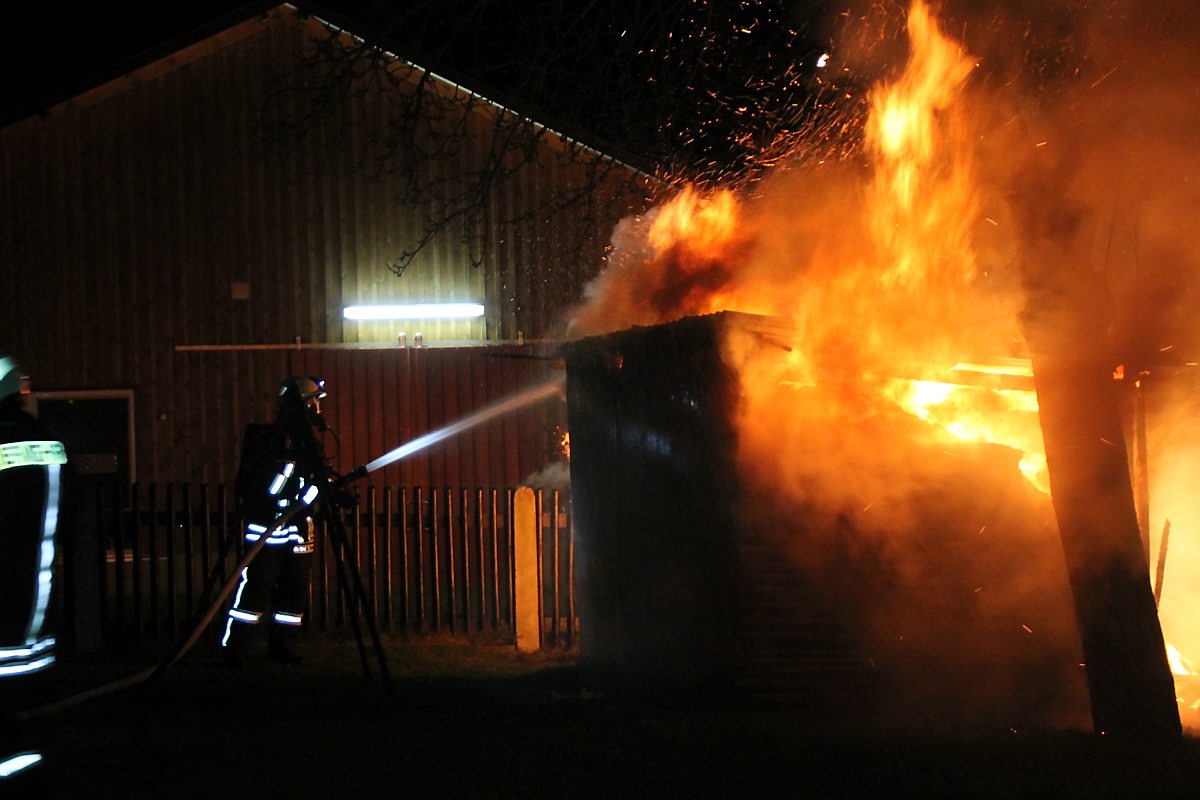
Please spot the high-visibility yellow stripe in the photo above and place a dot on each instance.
(31, 454)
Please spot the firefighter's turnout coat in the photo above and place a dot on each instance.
(31, 479)
(275, 483)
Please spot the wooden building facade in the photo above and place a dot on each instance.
(158, 252)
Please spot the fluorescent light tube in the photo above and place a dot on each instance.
(415, 311)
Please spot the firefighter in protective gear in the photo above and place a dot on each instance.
(279, 471)
(32, 465)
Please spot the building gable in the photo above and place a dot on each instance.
(147, 217)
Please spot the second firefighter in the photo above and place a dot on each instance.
(280, 477)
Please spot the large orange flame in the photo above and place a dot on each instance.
(887, 321)
(924, 202)
(876, 274)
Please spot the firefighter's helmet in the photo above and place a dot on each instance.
(303, 391)
(13, 380)
(302, 387)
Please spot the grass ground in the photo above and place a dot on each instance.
(480, 721)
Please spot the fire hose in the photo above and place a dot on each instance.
(186, 645)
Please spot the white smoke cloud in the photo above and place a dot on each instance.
(555, 476)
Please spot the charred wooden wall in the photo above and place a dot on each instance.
(654, 490)
(147, 214)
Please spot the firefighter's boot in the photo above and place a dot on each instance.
(233, 649)
(282, 644)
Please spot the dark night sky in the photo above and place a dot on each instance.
(498, 46)
(52, 45)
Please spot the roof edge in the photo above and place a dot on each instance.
(240, 22)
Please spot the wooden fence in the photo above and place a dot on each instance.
(432, 561)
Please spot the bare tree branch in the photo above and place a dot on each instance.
(700, 91)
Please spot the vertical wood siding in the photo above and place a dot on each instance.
(379, 399)
(130, 214)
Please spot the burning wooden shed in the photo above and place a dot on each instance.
(695, 574)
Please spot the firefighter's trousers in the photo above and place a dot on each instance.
(274, 590)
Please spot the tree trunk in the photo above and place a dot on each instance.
(1067, 321)
(1129, 680)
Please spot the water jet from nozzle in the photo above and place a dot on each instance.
(499, 408)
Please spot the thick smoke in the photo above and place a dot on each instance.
(1101, 101)
(666, 264)
(1108, 94)
(1079, 118)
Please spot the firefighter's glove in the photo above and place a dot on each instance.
(344, 499)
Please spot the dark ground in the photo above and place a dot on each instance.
(481, 721)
